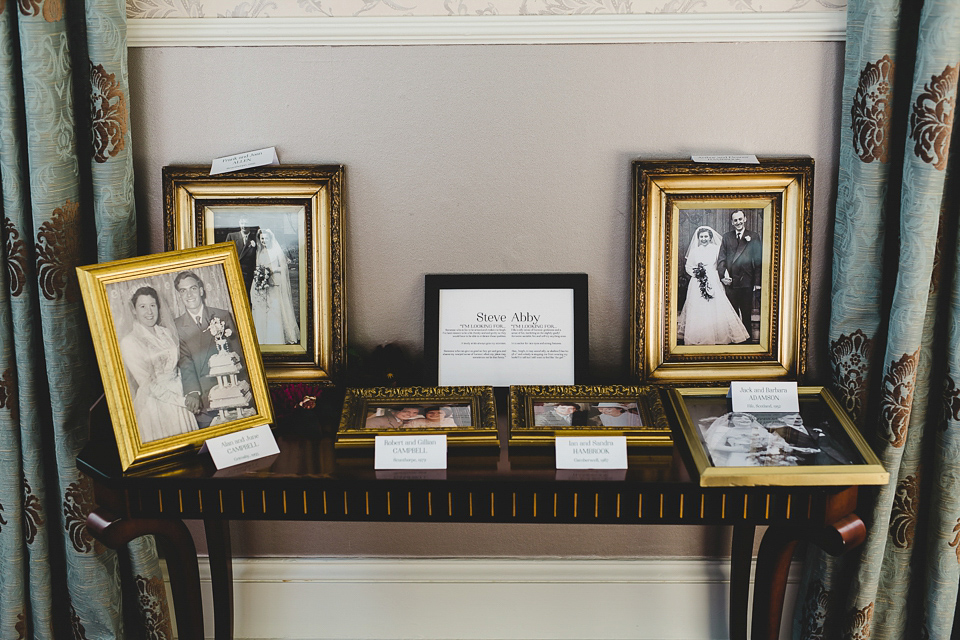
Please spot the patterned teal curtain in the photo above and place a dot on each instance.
(895, 325)
(66, 174)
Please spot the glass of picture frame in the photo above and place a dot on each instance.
(466, 415)
(287, 224)
(818, 446)
(721, 270)
(540, 413)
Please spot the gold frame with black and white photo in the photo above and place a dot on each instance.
(299, 208)
(817, 446)
(677, 200)
(528, 403)
(143, 369)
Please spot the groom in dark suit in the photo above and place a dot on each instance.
(246, 242)
(197, 344)
(739, 266)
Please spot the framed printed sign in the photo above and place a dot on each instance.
(286, 223)
(505, 329)
(721, 270)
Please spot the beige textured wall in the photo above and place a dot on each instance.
(494, 159)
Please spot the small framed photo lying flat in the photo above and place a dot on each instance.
(176, 348)
(286, 223)
(505, 329)
(466, 415)
(539, 413)
(721, 270)
(819, 446)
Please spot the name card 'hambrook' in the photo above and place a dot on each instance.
(603, 452)
(780, 397)
(410, 452)
(242, 446)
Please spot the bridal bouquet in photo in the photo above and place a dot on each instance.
(262, 276)
(701, 274)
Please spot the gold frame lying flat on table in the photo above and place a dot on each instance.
(777, 193)
(483, 411)
(188, 190)
(655, 431)
(95, 279)
(870, 472)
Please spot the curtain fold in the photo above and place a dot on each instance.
(66, 173)
(895, 310)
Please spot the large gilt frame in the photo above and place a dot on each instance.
(353, 434)
(319, 189)
(95, 279)
(782, 191)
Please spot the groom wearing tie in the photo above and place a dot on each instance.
(739, 264)
(197, 344)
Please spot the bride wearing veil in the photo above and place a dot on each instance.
(270, 298)
(707, 316)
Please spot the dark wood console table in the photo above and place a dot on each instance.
(309, 480)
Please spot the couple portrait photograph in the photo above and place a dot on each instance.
(270, 250)
(181, 352)
(418, 416)
(586, 414)
(720, 276)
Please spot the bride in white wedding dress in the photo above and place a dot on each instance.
(270, 295)
(707, 316)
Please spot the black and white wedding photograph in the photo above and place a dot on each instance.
(719, 276)
(181, 351)
(271, 254)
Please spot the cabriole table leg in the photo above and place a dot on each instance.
(179, 551)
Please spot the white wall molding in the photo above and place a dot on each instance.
(568, 29)
(386, 598)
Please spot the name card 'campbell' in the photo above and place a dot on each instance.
(242, 446)
(410, 452)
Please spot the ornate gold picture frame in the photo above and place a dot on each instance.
(538, 414)
(287, 225)
(818, 446)
(467, 415)
(721, 270)
(176, 349)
